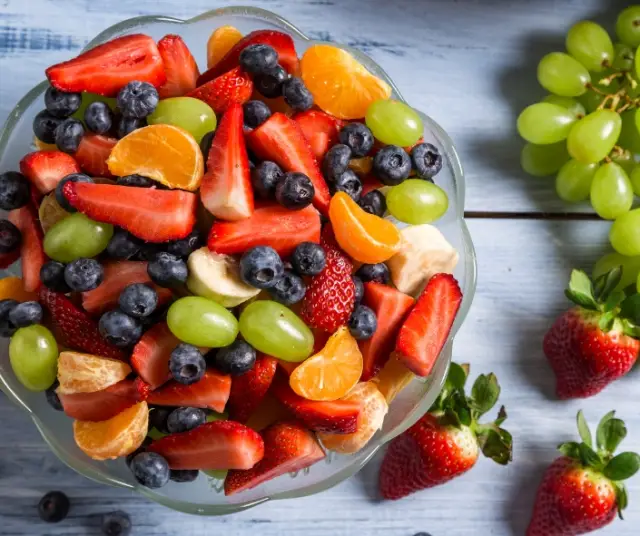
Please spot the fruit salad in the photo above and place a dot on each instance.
(213, 278)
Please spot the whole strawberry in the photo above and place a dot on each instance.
(594, 343)
(582, 490)
(446, 442)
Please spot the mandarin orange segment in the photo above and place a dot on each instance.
(50, 212)
(86, 373)
(116, 437)
(165, 153)
(340, 84)
(392, 379)
(366, 237)
(42, 146)
(361, 166)
(331, 373)
(221, 41)
(374, 409)
(12, 288)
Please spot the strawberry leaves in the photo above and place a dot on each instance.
(622, 467)
(581, 291)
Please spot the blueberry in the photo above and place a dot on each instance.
(184, 475)
(52, 277)
(258, 59)
(44, 126)
(186, 246)
(391, 165)
(120, 329)
(377, 273)
(10, 237)
(349, 183)
(295, 191)
(69, 135)
(363, 323)
(60, 103)
(308, 259)
(98, 117)
(150, 469)
(138, 300)
(149, 251)
(261, 267)
(25, 314)
(7, 329)
(53, 507)
(116, 523)
(289, 289)
(374, 203)
(336, 161)
(83, 274)
(123, 245)
(52, 397)
(255, 113)
(137, 181)
(264, 178)
(359, 288)
(237, 358)
(270, 83)
(358, 137)
(126, 125)
(185, 419)
(142, 448)
(167, 270)
(205, 143)
(158, 419)
(73, 177)
(296, 94)
(137, 99)
(187, 364)
(14, 190)
(427, 160)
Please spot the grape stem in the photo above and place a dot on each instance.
(606, 81)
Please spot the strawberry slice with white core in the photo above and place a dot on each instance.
(179, 66)
(45, 169)
(249, 389)
(320, 129)
(151, 354)
(31, 250)
(211, 391)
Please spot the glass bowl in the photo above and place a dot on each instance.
(205, 496)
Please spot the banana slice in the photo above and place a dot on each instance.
(217, 277)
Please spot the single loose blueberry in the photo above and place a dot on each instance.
(185, 419)
(261, 267)
(73, 177)
(295, 191)
(120, 329)
(184, 475)
(296, 94)
(52, 277)
(359, 288)
(52, 397)
(60, 103)
(14, 190)
(289, 289)
(10, 237)
(374, 203)
(158, 418)
(187, 364)
(258, 59)
(116, 523)
(98, 117)
(44, 126)
(358, 137)
(308, 258)
(137, 99)
(264, 178)
(363, 323)
(68, 135)
(137, 181)
(186, 246)
(377, 273)
(53, 507)
(83, 274)
(336, 161)
(391, 165)
(270, 84)
(7, 329)
(126, 125)
(167, 270)
(123, 245)
(205, 144)
(26, 314)
(138, 300)
(142, 448)
(349, 183)
(150, 469)
(237, 358)
(427, 160)
(255, 113)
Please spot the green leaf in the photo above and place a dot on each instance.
(622, 499)
(601, 436)
(502, 416)
(582, 300)
(580, 290)
(614, 299)
(630, 308)
(605, 322)
(606, 283)
(571, 450)
(588, 456)
(583, 430)
(623, 466)
(450, 418)
(613, 432)
(495, 443)
(457, 376)
(485, 393)
(628, 328)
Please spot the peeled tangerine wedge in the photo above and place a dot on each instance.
(340, 84)
(116, 437)
(392, 379)
(12, 288)
(165, 153)
(331, 373)
(366, 237)
(222, 40)
(86, 373)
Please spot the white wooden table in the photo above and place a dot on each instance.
(470, 64)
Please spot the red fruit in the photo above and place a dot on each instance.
(271, 225)
(74, 328)
(281, 42)
(288, 447)
(31, 251)
(211, 446)
(248, 390)
(148, 213)
(107, 68)
(179, 66)
(151, 354)
(427, 327)
(7, 259)
(370, 183)
(211, 391)
(391, 308)
(320, 130)
(233, 87)
(45, 169)
(281, 140)
(226, 190)
(93, 152)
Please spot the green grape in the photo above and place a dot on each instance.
(622, 57)
(634, 177)
(574, 106)
(630, 268)
(629, 135)
(417, 201)
(543, 160)
(33, 353)
(88, 98)
(193, 115)
(213, 416)
(591, 45)
(394, 123)
(155, 434)
(543, 123)
(611, 191)
(633, 92)
(563, 75)
(202, 322)
(638, 283)
(275, 330)
(217, 474)
(625, 233)
(625, 161)
(573, 182)
(628, 26)
(77, 236)
(593, 137)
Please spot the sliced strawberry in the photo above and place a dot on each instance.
(281, 140)
(211, 391)
(117, 275)
(74, 328)
(281, 42)
(107, 68)
(179, 65)
(31, 251)
(228, 88)
(226, 189)
(427, 328)
(391, 308)
(370, 183)
(272, 225)
(320, 130)
(212, 446)
(249, 389)
(93, 152)
(288, 447)
(148, 213)
(45, 169)
(7, 259)
(150, 356)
